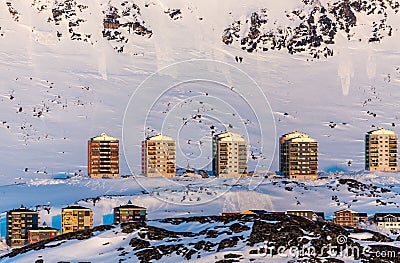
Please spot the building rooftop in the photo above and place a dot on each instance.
(229, 136)
(387, 214)
(296, 136)
(382, 131)
(302, 140)
(351, 211)
(103, 137)
(22, 210)
(300, 211)
(75, 207)
(44, 228)
(159, 137)
(130, 205)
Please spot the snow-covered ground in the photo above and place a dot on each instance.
(58, 91)
(194, 197)
(114, 244)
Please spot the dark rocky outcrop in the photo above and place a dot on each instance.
(316, 29)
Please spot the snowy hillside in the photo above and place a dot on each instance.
(224, 195)
(212, 239)
(187, 197)
(68, 69)
(369, 193)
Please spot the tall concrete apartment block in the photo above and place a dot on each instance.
(381, 150)
(19, 222)
(298, 156)
(159, 156)
(103, 157)
(229, 155)
(75, 218)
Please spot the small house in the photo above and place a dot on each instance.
(255, 212)
(42, 233)
(387, 220)
(230, 213)
(347, 217)
(309, 214)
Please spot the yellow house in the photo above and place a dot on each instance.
(75, 218)
(254, 212)
(247, 212)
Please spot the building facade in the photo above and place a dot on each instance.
(159, 156)
(103, 157)
(381, 151)
(309, 214)
(42, 233)
(387, 220)
(298, 156)
(19, 222)
(75, 218)
(129, 213)
(229, 151)
(347, 217)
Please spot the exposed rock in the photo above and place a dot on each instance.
(228, 242)
(316, 28)
(138, 243)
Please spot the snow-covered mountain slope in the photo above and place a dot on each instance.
(67, 75)
(187, 197)
(370, 193)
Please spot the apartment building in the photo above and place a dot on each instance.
(159, 156)
(229, 151)
(75, 218)
(19, 222)
(103, 157)
(298, 156)
(381, 151)
(129, 213)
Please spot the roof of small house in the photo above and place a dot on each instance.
(259, 211)
(387, 214)
(44, 229)
(301, 211)
(342, 210)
